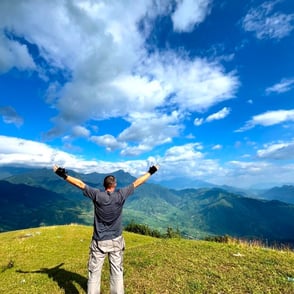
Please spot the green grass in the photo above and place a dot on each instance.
(54, 260)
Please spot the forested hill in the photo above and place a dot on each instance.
(284, 193)
(38, 197)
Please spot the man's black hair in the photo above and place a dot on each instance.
(109, 182)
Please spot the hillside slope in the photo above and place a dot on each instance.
(23, 206)
(53, 260)
(38, 197)
(284, 193)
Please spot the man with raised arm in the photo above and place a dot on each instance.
(107, 234)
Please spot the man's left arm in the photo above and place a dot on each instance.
(139, 181)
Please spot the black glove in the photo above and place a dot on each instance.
(152, 170)
(61, 172)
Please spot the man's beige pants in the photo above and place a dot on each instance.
(114, 249)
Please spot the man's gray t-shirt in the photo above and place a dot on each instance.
(108, 211)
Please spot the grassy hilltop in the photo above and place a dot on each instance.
(53, 260)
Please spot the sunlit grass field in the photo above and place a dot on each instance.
(54, 260)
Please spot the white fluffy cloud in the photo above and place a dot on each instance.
(101, 52)
(257, 173)
(189, 13)
(20, 152)
(99, 64)
(189, 160)
(146, 131)
(13, 54)
(219, 115)
(281, 150)
(269, 118)
(108, 141)
(198, 121)
(10, 116)
(267, 24)
(194, 85)
(178, 158)
(284, 85)
(215, 116)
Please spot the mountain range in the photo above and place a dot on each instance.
(37, 197)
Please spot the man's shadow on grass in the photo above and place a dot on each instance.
(63, 278)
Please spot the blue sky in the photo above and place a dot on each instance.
(204, 88)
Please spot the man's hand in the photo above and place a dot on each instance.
(60, 171)
(153, 169)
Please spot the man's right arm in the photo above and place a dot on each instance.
(76, 182)
(72, 180)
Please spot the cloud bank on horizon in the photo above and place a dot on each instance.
(205, 90)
